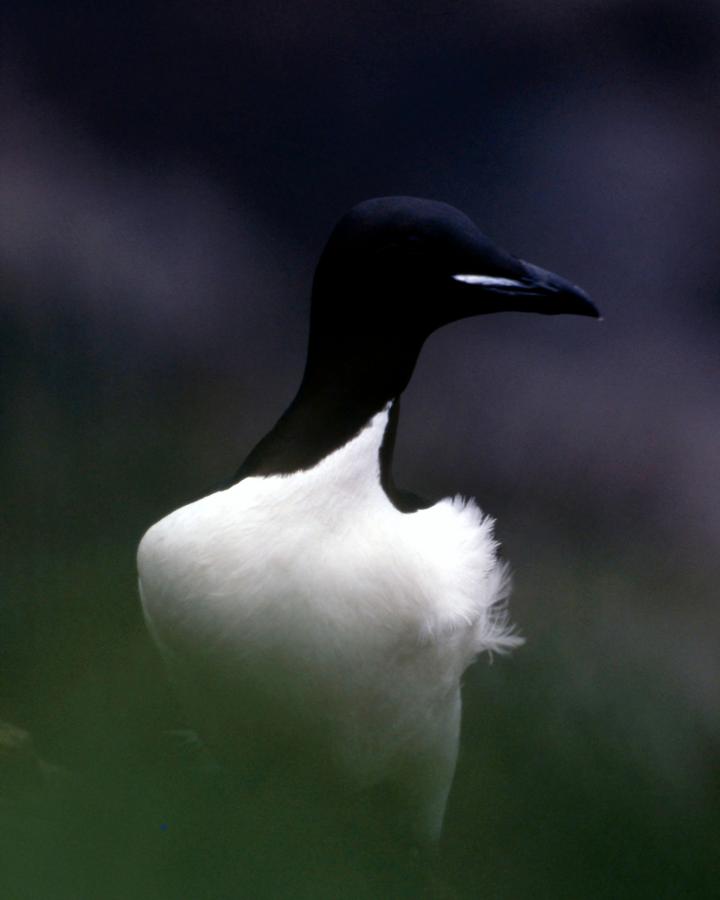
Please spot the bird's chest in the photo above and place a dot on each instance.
(312, 592)
(272, 568)
(276, 578)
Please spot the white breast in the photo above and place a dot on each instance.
(334, 611)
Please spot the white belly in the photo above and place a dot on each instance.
(305, 615)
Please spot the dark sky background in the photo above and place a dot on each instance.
(169, 175)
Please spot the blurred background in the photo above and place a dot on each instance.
(169, 173)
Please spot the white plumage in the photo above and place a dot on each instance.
(346, 621)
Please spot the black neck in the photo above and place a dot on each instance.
(342, 389)
(315, 424)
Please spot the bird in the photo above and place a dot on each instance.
(315, 618)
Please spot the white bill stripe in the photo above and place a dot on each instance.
(489, 280)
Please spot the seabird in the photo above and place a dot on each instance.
(315, 618)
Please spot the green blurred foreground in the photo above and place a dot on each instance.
(588, 769)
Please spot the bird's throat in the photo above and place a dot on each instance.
(317, 422)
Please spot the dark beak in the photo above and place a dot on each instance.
(530, 289)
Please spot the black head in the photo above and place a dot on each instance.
(394, 270)
(408, 266)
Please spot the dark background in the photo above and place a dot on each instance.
(169, 175)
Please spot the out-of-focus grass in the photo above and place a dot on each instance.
(544, 805)
(577, 778)
(587, 769)
(577, 786)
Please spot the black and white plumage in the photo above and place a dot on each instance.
(315, 618)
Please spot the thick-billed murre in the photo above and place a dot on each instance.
(315, 618)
